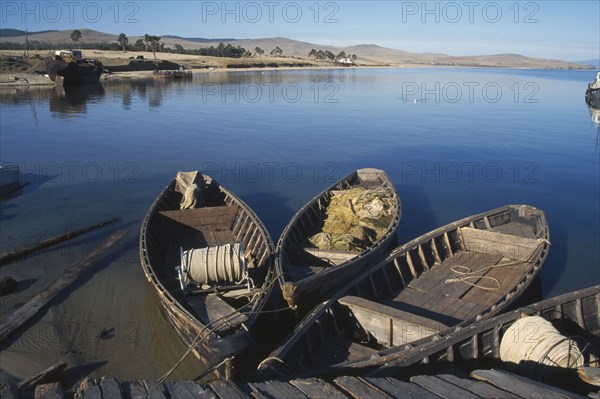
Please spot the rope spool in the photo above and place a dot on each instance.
(533, 343)
(225, 263)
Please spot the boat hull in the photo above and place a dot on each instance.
(73, 73)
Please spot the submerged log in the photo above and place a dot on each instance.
(27, 311)
(42, 377)
(22, 252)
(7, 285)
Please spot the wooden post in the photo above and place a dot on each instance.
(27, 311)
(22, 252)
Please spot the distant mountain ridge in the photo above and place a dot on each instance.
(7, 32)
(368, 54)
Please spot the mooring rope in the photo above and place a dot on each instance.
(225, 263)
(533, 343)
(467, 273)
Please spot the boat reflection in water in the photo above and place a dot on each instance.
(69, 101)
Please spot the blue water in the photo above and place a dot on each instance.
(454, 141)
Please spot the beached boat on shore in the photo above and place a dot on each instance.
(470, 269)
(68, 67)
(335, 235)
(210, 259)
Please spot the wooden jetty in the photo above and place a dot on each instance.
(490, 384)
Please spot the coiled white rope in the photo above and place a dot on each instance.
(225, 263)
(533, 343)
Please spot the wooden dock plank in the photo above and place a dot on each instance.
(274, 390)
(359, 389)
(442, 388)
(479, 388)
(400, 389)
(134, 390)
(8, 391)
(88, 389)
(187, 390)
(227, 390)
(155, 390)
(110, 388)
(48, 391)
(521, 386)
(316, 388)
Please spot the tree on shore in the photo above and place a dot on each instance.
(76, 35)
(152, 43)
(313, 53)
(123, 40)
(259, 51)
(276, 52)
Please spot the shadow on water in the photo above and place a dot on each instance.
(73, 374)
(24, 285)
(556, 263)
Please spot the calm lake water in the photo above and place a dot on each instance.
(454, 141)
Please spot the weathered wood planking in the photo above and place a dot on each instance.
(42, 377)
(388, 324)
(442, 388)
(134, 390)
(197, 218)
(359, 389)
(479, 388)
(48, 391)
(215, 312)
(276, 390)
(316, 388)
(228, 390)
(8, 391)
(492, 242)
(523, 387)
(400, 389)
(187, 390)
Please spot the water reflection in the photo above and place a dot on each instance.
(69, 101)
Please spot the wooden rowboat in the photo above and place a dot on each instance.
(215, 319)
(308, 274)
(575, 315)
(472, 268)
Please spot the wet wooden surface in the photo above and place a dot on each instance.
(480, 384)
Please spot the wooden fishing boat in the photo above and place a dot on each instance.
(308, 273)
(472, 268)
(575, 315)
(222, 235)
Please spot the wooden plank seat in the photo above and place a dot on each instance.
(305, 256)
(495, 243)
(210, 226)
(213, 310)
(390, 326)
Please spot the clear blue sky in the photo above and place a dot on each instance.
(564, 29)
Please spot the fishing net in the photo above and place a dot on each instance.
(356, 218)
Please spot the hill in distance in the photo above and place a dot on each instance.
(368, 54)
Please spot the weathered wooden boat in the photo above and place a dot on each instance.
(470, 269)
(211, 264)
(307, 273)
(68, 67)
(592, 94)
(574, 315)
(180, 74)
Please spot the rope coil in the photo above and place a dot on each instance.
(533, 343)
(225, 263)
